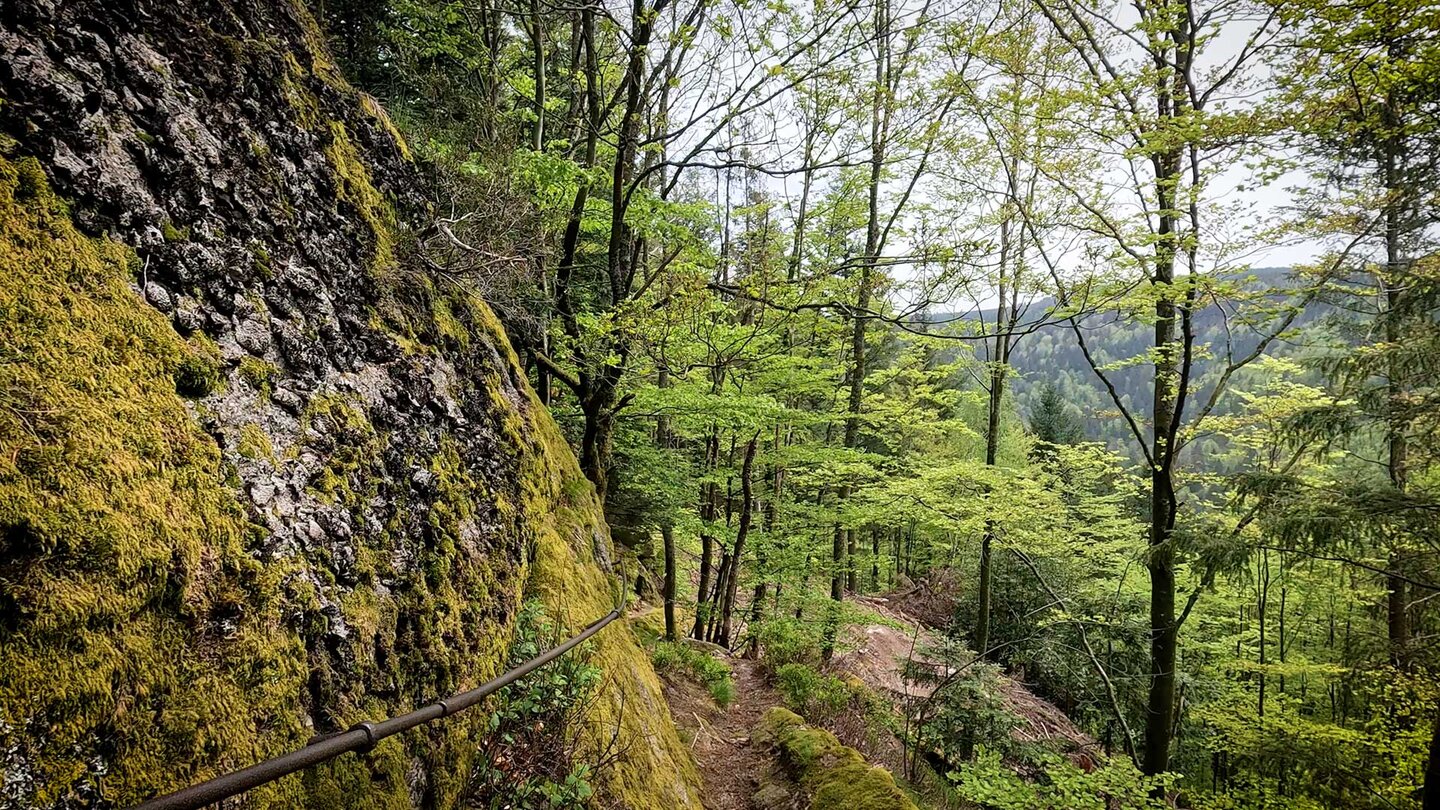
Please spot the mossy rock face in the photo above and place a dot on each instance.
(260, 476)
(127, 601)
(836, 776)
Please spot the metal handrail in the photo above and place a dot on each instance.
(361, 736)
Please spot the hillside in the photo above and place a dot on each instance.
(1051, 355)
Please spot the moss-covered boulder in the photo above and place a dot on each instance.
(261, 474)
(836, 776)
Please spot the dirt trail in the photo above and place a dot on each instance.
(730, 764)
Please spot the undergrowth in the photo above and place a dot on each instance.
(530, 754)
(714, 674)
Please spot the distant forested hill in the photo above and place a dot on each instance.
(1051, 355)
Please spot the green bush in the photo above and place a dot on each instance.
(812, 695)
(826, 700)
(678, 657)
(787, 641)
(1115, 785)
(528, 755)
(969, 711)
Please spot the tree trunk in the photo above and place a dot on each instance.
(862, 297)
(667, 531)
(1397, 603)
(852, 582)
(707, 515)
(747, 509)
(757, 601)
(1167, 381)
(536, 28)
(874, 559)
(1006, 313)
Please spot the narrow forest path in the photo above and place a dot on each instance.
(730, 763)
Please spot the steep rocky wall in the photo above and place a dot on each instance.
(260, 476)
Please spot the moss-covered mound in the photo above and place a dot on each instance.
(261, 474)
(836, 776)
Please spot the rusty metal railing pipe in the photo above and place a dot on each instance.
(361, 736)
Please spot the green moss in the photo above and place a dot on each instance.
(561, 516)
(352, 464)
(196, 376)
(835, 775)
(355, 188)
(259, 374)
(260, 262)
(373, 109)
(447, 325)
(30, 182)
(172, 233)
(125, 553)
(255, 444)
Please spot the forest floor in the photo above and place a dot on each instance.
(730, 763)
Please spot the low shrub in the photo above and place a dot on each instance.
(845, 705)
(785, 641)
(817, 697)
(1117, 783)
(678, 657)
(967, 711)
(528, 757)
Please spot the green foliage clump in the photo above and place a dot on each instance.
(255, 444)
(1115, 785)
(679, 657)
(836, 776)
(196, 376)
(787, 641)
(174, 233)
(969, 711)
(355, 188)
(529, 755)
(815, 696)
(259, 374)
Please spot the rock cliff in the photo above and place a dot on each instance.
(261, 476)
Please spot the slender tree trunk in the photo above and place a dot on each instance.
(1397, 601)
(992, 433)
(717, 599)
(757, 601)
(536, 29)
(1164, 631)
(1262, 599)
(895, 569)
(851, 573)
(856, 400)
(707, 516)
(667, 531)
(874, 558)
(747, 509)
